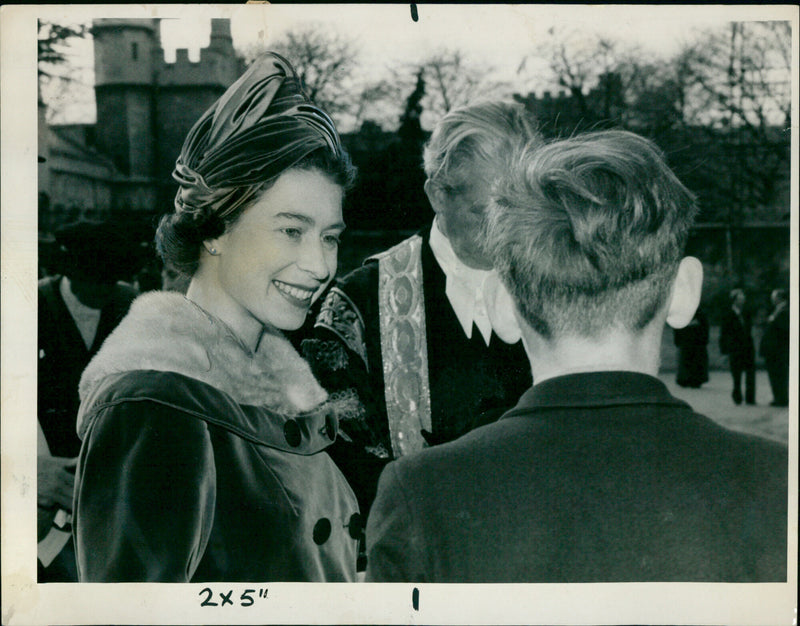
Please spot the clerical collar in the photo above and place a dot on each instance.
(477, 296)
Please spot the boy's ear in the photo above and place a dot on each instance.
(686, 291)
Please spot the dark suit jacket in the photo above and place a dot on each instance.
(775, 342)
(63, 357)
(592, 477)
(736, 338)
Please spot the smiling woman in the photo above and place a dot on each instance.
(267, 269)
(203, 430)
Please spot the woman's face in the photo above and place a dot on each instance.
(281, 253)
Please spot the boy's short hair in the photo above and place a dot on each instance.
(587, 232)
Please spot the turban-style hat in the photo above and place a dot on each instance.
(261, 126)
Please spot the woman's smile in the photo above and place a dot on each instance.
(299, 296)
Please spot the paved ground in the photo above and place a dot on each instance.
(714, 400)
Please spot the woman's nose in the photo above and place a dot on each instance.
(315, 260)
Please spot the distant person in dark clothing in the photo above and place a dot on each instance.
(148, 278)
(78, 309)
(775, 348)
(692, 352)
(736, 340)
(598, 474)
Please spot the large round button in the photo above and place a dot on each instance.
(291, 431)
(356, 525)
(322, 530)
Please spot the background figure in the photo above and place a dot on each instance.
(78, 309)
(692, 352)
(203, 429)
(774, 348)
(148, 278)
(736, 340)
(423, 332)
(598, 474)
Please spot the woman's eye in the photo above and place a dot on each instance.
(292, 233)
(331, 240)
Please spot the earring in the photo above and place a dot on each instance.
(212, 251)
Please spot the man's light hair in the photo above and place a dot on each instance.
(587, 233)
(476, 139)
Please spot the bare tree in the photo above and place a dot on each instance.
(602, 76)
(325, 61)
(380, 103)
(451, 77)
(737, 90)
(572, 60)
(742, 74)
(65, 74)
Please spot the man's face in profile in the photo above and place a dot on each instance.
(460, 216)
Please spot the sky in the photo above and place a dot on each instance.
(499, 36)
(387, 31)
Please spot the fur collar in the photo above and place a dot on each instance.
(165, 331)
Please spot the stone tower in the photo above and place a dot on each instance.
(146, 106)
(187, 89)
(126, 53)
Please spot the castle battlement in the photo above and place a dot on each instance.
(129, 52)
(146, 105)
(218, 65)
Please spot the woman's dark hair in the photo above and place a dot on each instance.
(180, 235)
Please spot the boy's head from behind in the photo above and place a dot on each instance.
(588, 233)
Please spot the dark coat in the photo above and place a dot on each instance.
(201, 463)
(774, 346)
(470, 384)
(63, 357)
(691, 341)
(774, 349)
(736, 339)
(591, 478)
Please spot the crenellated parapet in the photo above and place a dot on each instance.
(146, 105)
(216, 67)
(129, 52)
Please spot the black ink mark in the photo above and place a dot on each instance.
(414, 14)
(207, 601)
(246, 599)
(415, 595)
(226, 598)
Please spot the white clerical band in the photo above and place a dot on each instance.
(477, 296)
